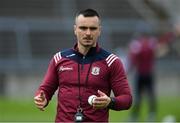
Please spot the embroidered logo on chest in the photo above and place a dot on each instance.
(95, 70)
(62, 68)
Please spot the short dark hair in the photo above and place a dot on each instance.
(88, 13)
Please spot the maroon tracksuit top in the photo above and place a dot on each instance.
(75, 75)
(142, 55)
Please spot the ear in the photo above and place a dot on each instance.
(75, 27)
(99, 30)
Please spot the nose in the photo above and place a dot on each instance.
(88, 32)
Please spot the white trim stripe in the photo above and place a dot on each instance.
(57, 57)
(59, 54)
(110, 59)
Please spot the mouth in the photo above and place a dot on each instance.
(88, 38)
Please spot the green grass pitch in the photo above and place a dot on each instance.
(25, 111)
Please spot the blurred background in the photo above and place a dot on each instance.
(32, 31)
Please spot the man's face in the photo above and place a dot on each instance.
(87, 30)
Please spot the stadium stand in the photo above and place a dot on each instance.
(31, 31)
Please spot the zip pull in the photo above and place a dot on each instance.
(82, 66)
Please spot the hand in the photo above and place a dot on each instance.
(40, 100)
(102, 101)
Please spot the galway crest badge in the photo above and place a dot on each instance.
(95, 70)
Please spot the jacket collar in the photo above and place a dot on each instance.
(91, 52)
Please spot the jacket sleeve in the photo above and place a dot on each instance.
(50, 82)
(120, 86)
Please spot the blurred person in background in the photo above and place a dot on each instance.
(143, 52)
(82, 71)
(142, 58)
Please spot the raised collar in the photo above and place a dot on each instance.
(91, 52)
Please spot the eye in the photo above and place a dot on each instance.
(93, 28)
(83, 28)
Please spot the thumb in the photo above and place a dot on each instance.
(42, 94)
(101, 93)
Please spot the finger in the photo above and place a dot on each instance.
(100, 102)
(100, 99)
(101, 93)
(39, 103)
(40, 106)
(98, 106)
(97, 102)
(37, 98)
(42, 94)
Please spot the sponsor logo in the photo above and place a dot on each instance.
(95, 70)
(62, 68)
(70, 55)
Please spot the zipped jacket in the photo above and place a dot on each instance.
(76, 77)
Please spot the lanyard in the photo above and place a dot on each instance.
(86, 81)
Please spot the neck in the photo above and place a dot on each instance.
(84, 50)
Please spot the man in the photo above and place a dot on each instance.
(83, 71)
(142, 57)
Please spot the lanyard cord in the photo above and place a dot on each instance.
(86, 81)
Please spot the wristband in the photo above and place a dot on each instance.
(112, 103)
